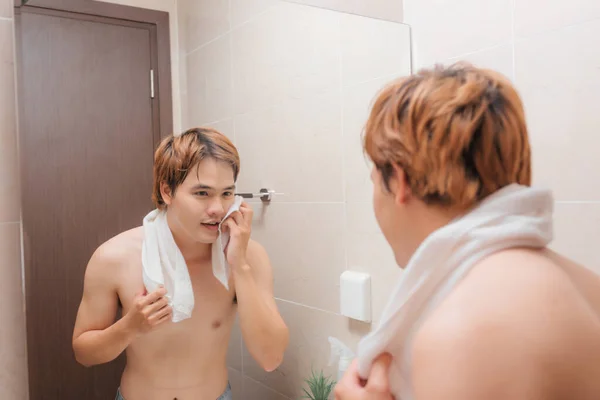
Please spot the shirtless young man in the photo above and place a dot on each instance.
(525, 322)
(194, 180)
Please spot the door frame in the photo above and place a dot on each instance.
(162, 103)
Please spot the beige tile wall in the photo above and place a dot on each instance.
(13, 367)
(550, 50)
(6, 9)
(291, 84)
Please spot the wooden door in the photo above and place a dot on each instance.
(88, 128)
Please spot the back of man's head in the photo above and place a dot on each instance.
(459, 134)
(177, 155)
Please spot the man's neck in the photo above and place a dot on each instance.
(432, 219)
(426, 220)
(194, 252)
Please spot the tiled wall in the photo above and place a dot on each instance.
(551, 50)
(13, 367)
(291, 85)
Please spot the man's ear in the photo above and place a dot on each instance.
(166, 193)
(399, 185)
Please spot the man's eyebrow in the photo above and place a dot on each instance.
(203, 186)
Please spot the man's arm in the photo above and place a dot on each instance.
(264, 331)
(96, 338)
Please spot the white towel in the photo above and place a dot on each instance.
(515, 216)
(164, 265)
(221, 269)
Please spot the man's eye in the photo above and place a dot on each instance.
(227, 194)
(202, 193)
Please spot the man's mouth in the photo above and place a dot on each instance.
(211, 225)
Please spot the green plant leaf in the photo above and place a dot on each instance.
(320, 386)
(308, 395)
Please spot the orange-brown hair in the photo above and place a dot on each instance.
(458, 133)
(176, 156)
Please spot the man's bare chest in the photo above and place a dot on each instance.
(214, 305)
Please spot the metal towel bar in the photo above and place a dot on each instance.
(264, 194)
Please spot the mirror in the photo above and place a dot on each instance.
(291, 84)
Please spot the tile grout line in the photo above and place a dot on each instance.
(343, 146)
(207, 43)
(218, 121)
(230, 31)
(230, 44)
(231, 64)
(553, 30)
(486, 48)
(265, 108)
(353, 13)
(513, 39)
(364, 202)
(307, 306)
(411, 45)
(9, 223)
(179, 65)
(267, 387)
(577, 202)
(300, 202)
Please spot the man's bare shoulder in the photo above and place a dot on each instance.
(119, 249)
(256, 251)
(509, 321)
(513, 291)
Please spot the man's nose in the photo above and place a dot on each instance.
(216, 208)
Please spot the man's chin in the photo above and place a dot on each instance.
(205, 239)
